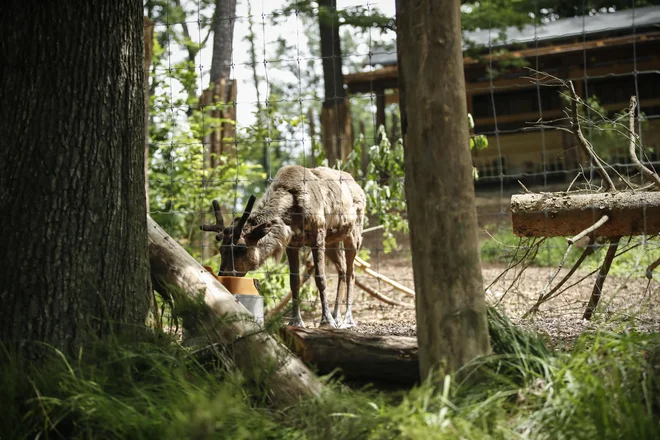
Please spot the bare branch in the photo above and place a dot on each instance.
(379, 296)
(548, 296)
(511, 266)
(631, 149)
(528, 262)
(524, 187)
(375, 228)
(651, 268)
(384, 279)
(577, 176)
(600, 280)
(577, 132)
(589, 230)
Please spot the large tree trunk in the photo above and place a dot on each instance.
(257, 355)
(336, 125)
(148, 55)
(451, 310)
(72, 200)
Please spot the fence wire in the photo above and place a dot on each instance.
(268, 112)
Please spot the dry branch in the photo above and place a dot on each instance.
(390, 359)
(544, 297)
(257, 355)
(583, 143)
(633, 137)
(560, 214)
(376, 294)
(651, 268)
(600, 280)
(361, 264)
(587, 231)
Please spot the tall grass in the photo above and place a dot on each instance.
(606, 387)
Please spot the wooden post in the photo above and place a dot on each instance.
(452, 328)
(364, 157)
(312, 136)
(380, 108)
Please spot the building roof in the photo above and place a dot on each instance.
(554, 30)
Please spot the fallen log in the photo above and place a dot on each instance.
(359, 357)
(561, 214)
(259, 357)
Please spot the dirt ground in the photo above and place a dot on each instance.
(626, 302)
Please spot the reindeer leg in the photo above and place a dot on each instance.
(293, 257)
(336, 255)
(318, 253)
(351, 246)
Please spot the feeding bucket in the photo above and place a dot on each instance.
(245, 290)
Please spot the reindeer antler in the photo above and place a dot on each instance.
(248, 209)
(219, 225)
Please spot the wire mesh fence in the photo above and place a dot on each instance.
(238, 90)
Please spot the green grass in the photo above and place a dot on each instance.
(606, 387)
(503, 246)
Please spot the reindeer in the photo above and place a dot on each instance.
(318, 207)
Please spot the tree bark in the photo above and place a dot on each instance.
(336, 129)
(148, 55)
(223, 39)
(258, 356)
(221, 90)
(336, 124)
(359, 357)
(558, 214)
(451, 311)
(72, 199)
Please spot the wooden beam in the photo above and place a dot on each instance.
(571, 47)
(363, 82)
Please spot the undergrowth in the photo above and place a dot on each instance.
(606, 387)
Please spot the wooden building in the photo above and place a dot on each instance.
(611, 56)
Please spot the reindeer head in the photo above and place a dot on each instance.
(239, 252)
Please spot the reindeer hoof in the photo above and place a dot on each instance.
(297, 322)
(348, 322)
(328, 323)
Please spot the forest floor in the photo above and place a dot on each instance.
(626, 303)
